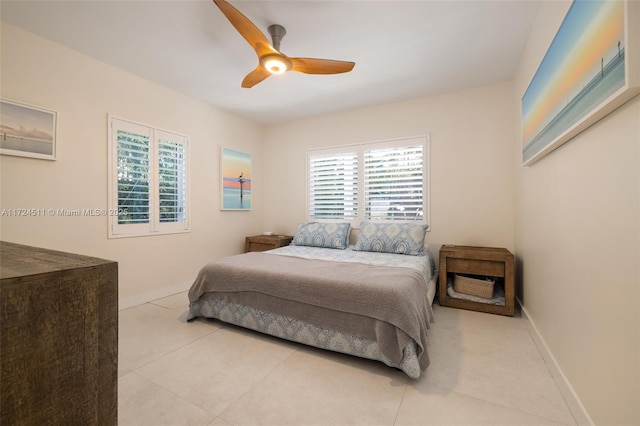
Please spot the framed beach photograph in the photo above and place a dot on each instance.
(590, 69)
(27, 131)
(235, 170)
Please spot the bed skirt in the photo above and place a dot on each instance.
(301, 332)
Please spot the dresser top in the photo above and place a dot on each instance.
(17, 260)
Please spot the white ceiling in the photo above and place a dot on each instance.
(402, 49)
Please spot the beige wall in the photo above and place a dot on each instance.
(472, 182)
(83, 91)
(578, 239)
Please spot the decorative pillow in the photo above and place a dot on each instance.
(398, 238)
(327, 235)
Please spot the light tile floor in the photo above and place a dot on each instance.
(485, 370)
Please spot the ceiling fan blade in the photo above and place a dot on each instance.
(320, 66)
(255, 77)
(246, 28)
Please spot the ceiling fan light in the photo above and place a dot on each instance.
(275, 65)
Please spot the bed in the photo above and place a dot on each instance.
(364, 300)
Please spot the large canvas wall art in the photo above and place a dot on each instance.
(27, 131)
(235, 168)
(589, 70)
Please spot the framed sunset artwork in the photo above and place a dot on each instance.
(236, 178)
(590, 69)
(27, 130)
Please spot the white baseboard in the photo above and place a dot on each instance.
(139, 299)
(580, 414)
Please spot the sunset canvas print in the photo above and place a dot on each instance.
(583, 67)
(236, 180)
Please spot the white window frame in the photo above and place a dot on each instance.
(360, 149)
(154, 226)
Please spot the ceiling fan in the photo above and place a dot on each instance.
(270, 59)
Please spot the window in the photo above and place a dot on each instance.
(148, 182)
(373, 181)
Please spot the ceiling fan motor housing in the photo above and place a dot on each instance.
(277, 32)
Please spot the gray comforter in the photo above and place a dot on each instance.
(380, 303)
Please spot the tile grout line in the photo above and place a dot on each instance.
(485, 401)
(252, 387)
(404, 392)
(177, 396)
(171, 392)
(176, 349)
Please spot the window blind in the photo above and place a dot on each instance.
(172, 189)
(394, 183)
(333, 186)
(133, 178)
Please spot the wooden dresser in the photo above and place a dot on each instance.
(59, 338)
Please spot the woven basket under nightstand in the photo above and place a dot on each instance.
(478, 261)
(482, 288)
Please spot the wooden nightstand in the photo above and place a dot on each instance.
(486, 261)
(266, 242)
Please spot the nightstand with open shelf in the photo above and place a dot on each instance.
(482, 261)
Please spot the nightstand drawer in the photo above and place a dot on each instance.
(476, 267)
(266, 242)
(257, 246)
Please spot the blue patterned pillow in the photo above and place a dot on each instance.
(398, 238)
(327, 235)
